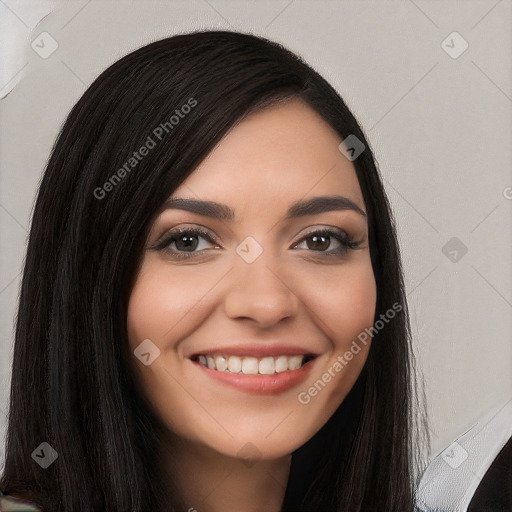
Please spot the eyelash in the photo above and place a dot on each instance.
(174, 235)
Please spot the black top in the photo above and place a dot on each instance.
(494, 493)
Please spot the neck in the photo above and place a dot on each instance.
(208, 481)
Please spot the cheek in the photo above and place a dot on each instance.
(344, 306)
(344, 302)
(355, 309)
(163, 304)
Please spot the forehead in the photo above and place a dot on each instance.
(282, 153)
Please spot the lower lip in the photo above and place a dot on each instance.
(261, 384)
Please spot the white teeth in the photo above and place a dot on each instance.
(281, 364)
(234, 364)
(252, 365)
(294, 362)
(220, 363)
(266, 366)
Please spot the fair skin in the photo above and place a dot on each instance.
(313, 293)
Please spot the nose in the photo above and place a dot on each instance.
(260, 293)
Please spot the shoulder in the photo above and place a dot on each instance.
(11, 503)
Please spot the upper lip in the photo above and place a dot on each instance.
(262, 349)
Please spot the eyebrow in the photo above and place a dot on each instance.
(223, 212)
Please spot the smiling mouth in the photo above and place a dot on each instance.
(268, 365)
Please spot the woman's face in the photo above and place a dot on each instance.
(259, 292)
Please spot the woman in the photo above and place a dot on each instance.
(212, 314)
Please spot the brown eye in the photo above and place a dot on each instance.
(320, 241)
(187, 242)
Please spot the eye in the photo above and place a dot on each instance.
(187, 242)
(184, 242)
(321, 240)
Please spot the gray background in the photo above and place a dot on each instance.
(440, 128)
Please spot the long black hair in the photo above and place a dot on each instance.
(71, 385)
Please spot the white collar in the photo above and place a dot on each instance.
(452, 477)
